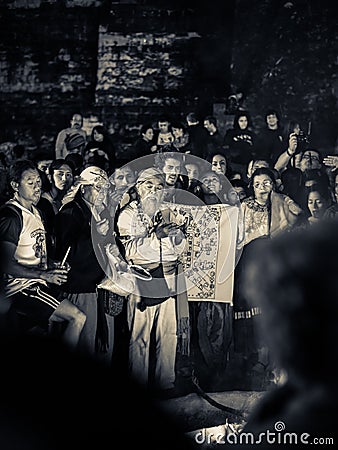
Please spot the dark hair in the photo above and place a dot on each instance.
(270, 112)
(18, 168)
(220, 152)
(57, 163)
(212, 172)
(41, 156)
(18, 151)
(263, 171)
(161, 158)
(77, 160)
(211, 119)
(146, 127)
(101, 130)
(321, 189)
(318, 176)
(289, 128)
(163, 118)
(178, 124)
(241, 114)
(192, 117)
(239, 183)
(217, 152)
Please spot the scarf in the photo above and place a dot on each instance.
(284, 213)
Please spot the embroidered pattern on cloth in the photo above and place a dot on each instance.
(209, 257)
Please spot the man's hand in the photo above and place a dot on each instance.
(54, 276)
(331, 161)
(58, 265)
(166, 229)
(292, 144)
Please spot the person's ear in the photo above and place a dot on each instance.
(14, 186)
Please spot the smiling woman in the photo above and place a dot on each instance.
(266, 214)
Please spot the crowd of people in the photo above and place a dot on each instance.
(92, 255)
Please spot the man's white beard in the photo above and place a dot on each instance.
(150, 206)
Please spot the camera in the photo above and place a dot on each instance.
(302, 138)
(302, 141)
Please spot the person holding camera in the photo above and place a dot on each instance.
(287, 158)
(298, 144)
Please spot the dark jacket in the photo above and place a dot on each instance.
(241, 145)
(73, 228)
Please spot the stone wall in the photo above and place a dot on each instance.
(118, 63)
(285, 57)
(124, 63)
(47, 70)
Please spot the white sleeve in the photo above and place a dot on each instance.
(140, 248)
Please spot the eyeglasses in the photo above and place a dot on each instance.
(264, 184)
(311, 157)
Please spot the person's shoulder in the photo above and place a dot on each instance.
(11, 223)
(331, 212)
(70, 208)
(129, 208)
(10, 211)
(64, 131)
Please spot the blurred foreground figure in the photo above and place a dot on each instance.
(294, 277)
(67, 401)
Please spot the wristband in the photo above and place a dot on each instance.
(290, 154)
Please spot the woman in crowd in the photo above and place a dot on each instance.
(318, 201)
(181, 138)
(100, 150)
(145, 144)
(240, 140)
(266, 214)
(61, 177)
(220, 163)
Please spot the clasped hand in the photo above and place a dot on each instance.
(163, 230)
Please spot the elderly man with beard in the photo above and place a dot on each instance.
(73, 229)
(151, 241)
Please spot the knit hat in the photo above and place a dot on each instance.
(74, 141)
(149, 173)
